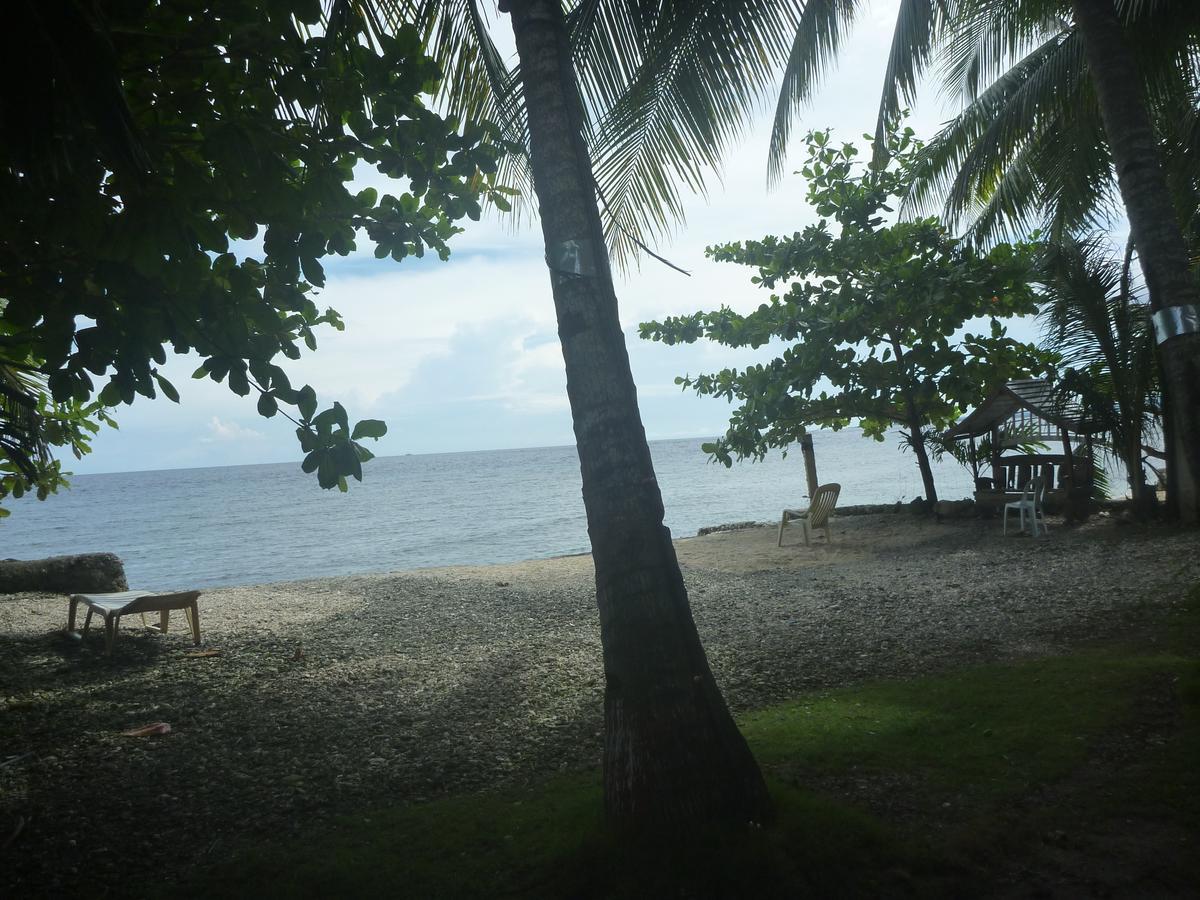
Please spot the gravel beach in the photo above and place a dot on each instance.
(333, 695)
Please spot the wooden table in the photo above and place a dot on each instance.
(115, 605)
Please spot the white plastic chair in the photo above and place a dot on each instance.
(1032, 503)
(816, 516)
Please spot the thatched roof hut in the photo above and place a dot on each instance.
(1023, 412)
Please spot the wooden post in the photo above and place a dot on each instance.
(810, 463)
(999, 481)
(974, 458)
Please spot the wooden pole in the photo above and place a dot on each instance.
(810, 463)
(999, 479)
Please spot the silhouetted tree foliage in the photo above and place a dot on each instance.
(172, 175)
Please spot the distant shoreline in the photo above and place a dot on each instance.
(202, 528)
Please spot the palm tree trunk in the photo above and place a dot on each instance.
(1140, 495)
(1155, 230)
(672, 753)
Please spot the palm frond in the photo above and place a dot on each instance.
(1095, 319)
(984, 38)
(822, 27)
(696, 69)
(1029, 145)
(1042, 102)
(22, 441)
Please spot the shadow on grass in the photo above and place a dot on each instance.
(923, 787)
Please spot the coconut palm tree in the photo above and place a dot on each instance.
(1072, 105)
(596, 133)
(672, 752)
(1094, 319)
(1154, 227)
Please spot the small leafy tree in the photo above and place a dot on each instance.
(869, 308)
(148, 147)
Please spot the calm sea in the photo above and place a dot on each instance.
(197, 528)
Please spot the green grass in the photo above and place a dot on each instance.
(552, 844)
(991, 729)
(969, 758)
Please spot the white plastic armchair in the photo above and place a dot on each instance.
(816, 516)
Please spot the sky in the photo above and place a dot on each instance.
(464, 355)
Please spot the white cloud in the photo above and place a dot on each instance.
(220, 431)
(398, 319)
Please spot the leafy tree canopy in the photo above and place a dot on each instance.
(870, 307)
(174, 172)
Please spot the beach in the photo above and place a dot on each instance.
(332, 696)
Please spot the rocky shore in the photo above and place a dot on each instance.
(331, 696)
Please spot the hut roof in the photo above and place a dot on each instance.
(1033, 394)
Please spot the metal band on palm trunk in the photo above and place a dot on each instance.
(1174, 321)
(574, 257)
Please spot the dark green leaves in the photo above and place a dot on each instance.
(369, 428)
(306, 402)
(267, 405)
(104, 266)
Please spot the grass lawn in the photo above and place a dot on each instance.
(1069, 775)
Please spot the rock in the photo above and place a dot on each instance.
(728, 526)
(867, 509)
(96, 573)
(918, 506)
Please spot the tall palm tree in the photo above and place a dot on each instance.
(596, 132)
(672, 751)
(1154, 227)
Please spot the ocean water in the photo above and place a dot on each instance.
(198, 528)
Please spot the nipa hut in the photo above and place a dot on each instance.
(1018, 414)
